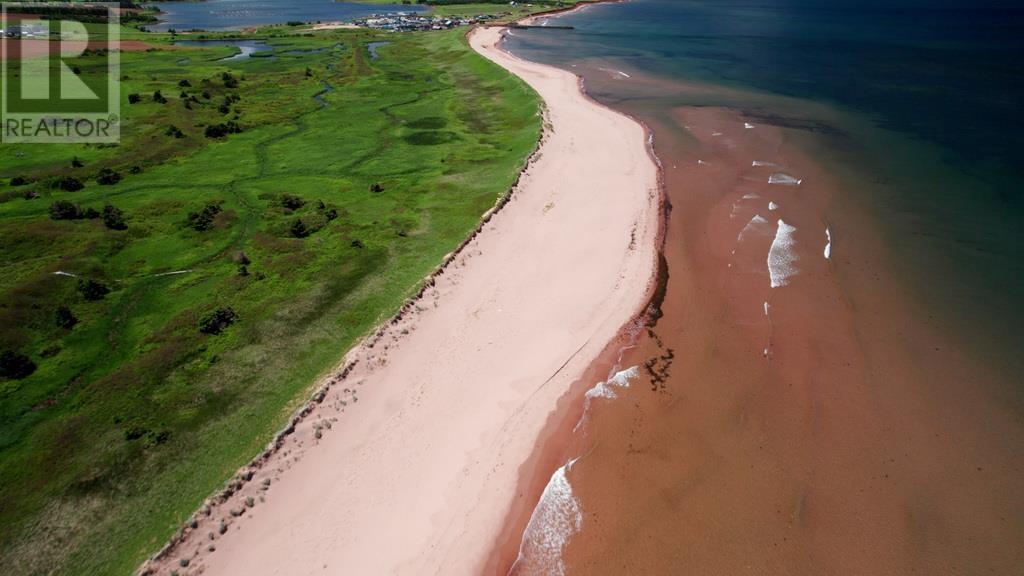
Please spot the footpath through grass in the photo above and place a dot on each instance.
(153, 347)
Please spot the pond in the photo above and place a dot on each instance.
(247, 47)
(372, 49)
(238, 14)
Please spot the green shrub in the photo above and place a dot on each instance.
(217, 321)
(15, 366)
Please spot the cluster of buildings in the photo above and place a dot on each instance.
(411, 21)
(26, 31)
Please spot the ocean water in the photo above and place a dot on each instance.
(238, 14)
(917, 103)
(832, 385)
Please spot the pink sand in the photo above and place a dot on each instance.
(417, 476)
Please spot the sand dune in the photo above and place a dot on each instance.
(410, 463)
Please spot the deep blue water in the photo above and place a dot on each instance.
(236, 14)
(924, 100)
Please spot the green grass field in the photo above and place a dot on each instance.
(133, 415)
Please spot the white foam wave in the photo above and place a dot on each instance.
(555, 519)
(773, 206)
(63, 273)
(751, 196)
(615, 72)
(828, 243)
(701, 163)
(757, 225)
(716, 134)
(606, 389)
(781, 256)
(748, 125)
(763, 163)
(766, 308)
(783, 179)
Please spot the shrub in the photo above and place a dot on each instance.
(64, 318)
(222, 130)
(159, 98)
(64, 210)
(185, 83)
(173, 130)
(229, 80)
(76, 163)
(376, 187)
(291, 201)
(108, 177)
(241, 258)
(15, 366)
(92, 290)
(202, 220)
(299, 229)
(18, 181)
(69, 184)
(113, 218)
(217, 321)
(134, 98)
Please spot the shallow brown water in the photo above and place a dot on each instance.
(839, 430)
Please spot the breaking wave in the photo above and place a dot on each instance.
(756, 225)
(783, 179)
(555, 519)
(781, 256)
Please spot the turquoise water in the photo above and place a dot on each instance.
(237, 14)
(915, 104)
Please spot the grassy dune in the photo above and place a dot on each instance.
(133, 415)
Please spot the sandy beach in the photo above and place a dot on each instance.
(410, 460)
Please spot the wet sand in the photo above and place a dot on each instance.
(409, 461)
(810, 421)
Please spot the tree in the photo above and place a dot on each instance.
(92, 290)
(217, 321)
(299, 229)
(134, 98)
(113, 218)
(173, 130)
(108, 177)
(229, 80)
(376, 187)
(65, 318)
(184, 83)
(76, 163)
(18, 181)
(159, 98)
(15, 366)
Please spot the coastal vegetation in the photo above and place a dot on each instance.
(168, 301)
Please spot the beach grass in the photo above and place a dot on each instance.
(134, 414)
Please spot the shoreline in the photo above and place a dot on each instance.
(556, 441)
(634, 273)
